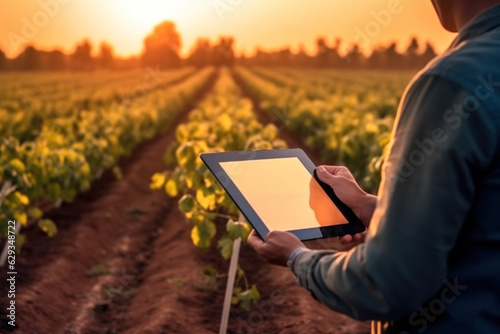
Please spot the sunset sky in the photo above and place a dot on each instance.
(268, 23)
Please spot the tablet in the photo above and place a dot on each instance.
(278, 190)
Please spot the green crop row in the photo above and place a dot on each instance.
(346, 119)
(223, 121)
(69, 152)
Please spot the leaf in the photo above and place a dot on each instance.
(206, 197)
(240, 273)
(208, 179)
(48, 226)
(157, 181)
(225, 122)
(34, 212)
(20, 198)
(17, 166)
(371, 127)
(202, 234)
(185, 155)
(279, 143)
(209, 279)
(19, 243)
(249, 297)
(21, 218)
(187, 205)
(171, 188)
(191, 181)
(210, 271)
(181, 133)
(255, 293)
(238, 229)
(117, 172)
(54, 191)
(200, 146)
(225, 246)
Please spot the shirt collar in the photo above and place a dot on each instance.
(480, 24)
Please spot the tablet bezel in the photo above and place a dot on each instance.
(213, 160)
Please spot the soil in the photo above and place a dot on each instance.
(123, 262)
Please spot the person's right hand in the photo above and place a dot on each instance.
(349, 192)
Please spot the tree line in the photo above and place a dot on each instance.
(162, 48)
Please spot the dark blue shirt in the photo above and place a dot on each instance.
(431, 259)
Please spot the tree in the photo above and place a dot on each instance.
(327, 56)
(3, 60)
(29, 59)
(321, 52)
(301, 57)
(105, 58)
(223, 53)
(393, 57)
(334, 57)
(428, 54)
(162, 46)
(354, 57)
(81, 59)
(56, 61)
(284, 57)
(378, 58)
(201, 54)
(411, 54)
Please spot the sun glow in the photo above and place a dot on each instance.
(145, 15)
(138, 18)
(263, 23)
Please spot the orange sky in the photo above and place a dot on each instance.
(268, 23)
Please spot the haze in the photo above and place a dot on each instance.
(268, 24)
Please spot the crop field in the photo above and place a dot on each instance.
(122, 229)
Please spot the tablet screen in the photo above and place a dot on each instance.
(283, 193)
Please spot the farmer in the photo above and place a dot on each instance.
(431, 257)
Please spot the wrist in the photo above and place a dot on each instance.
(294, 255)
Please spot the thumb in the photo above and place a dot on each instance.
(322, 172)
(324, 175)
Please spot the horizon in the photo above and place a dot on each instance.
(54, 24)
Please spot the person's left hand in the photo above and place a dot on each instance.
(277, 248)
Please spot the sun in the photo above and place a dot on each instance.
(144, 15)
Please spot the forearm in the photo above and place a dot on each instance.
(340, 281)
(367, 209)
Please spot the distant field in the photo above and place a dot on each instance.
(82, 155)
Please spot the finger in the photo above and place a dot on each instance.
(251, 234)
(255, 241)
(335, 170)
(346, 239)
(359, 236)
(333, 181)
(329, 178)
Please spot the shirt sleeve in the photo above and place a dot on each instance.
(444, 140)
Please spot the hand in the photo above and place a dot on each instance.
(349, 192)
(277, 248)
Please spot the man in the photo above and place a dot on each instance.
(431, 258)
